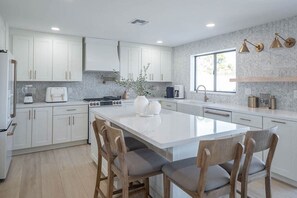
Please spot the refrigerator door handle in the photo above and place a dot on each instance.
(14, 62)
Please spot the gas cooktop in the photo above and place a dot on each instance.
(107, 100)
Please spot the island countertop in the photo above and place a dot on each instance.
(170, 128)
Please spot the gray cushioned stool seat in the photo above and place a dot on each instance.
(186, 174)
(131, 144)
(142, 161)
(256, 165)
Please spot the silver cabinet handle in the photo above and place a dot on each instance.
(29, 114)
(30, 74)
(70, 75)
(219, 114)
(73, 120)
(244, 119)
(69, 121)
(34, 114)
(152, 76)
(279, 122)
(168, 106)
(66, 75)
(35, 75)
(162, 77)
(71, 110)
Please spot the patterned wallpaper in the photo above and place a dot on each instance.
(270, 62)
(91, 86)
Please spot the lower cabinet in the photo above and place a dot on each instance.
(70, 124)
(190, 109)
(34, 128)
(169, 105)
(285, 159)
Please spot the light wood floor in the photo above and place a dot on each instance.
(71, 173)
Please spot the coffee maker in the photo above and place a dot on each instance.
(179, 91)
(28, 91)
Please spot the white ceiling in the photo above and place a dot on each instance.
(174, 21)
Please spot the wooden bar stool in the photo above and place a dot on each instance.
(253, 168)
(129, 166)
(201, 176)
(132, 144)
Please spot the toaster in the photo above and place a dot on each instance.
(56, 94)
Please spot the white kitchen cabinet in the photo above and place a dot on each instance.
(101, 55)
(67, 60)
(169, 105)
(23, 131)
(285, 160)
(43, 59)
(2, 34)
(151, 56)
(70, 123)
(190, 109)
(61, 129)
(130, 61)
(166, 65)
(42, 126)
(22, 48)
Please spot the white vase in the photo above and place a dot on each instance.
(140, 104)
(154, 107)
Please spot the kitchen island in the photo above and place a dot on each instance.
(173, 134)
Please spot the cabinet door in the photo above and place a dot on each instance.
(166, 65)
(134, 62)
(156, 60)
(62, 129)
(75, 61)
(42, 126)
(22, 48)
(43, 59)
(60, 60)
(79, 127)
(146, 58)
(124, 62)
(2, 35)
(22, 134)
(284, 160)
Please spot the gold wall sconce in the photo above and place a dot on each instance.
(289, 42)
(244, 49)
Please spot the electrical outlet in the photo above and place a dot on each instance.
(247, 91)
(295, 94)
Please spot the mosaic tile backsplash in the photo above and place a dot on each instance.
(270, 62)
(91, 86)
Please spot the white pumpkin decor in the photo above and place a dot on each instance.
(154, 108)
(140, 104)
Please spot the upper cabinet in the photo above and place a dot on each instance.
(101, 55)
(47, 57)
(134, 57)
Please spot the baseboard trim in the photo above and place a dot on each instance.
(284, 179)
(48, 147)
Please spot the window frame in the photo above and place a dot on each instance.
(214, 71)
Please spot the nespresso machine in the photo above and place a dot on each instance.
(179, 91)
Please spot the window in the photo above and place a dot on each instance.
(214, 70)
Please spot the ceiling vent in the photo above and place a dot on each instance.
(138, 22)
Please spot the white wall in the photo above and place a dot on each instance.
(270, 62)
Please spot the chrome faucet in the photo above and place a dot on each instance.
(205, 97)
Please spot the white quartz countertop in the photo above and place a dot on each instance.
(170, 128)
(45, 104)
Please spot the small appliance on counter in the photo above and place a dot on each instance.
(253, 102)
(179, 91)
(28, 91)
(56, 94)
(169, 92)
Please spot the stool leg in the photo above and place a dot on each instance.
(125, 188)
(147, 187)
(98, 179)
(244, 188)
(166, 186)
(268, 186)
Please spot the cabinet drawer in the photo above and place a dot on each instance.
(70, 110)
(246, 119)
(169, 105)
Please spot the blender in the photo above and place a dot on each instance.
(28, 91)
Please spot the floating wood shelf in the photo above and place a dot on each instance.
(265, 79)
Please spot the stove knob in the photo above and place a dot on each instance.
(91, 104)
(97, 103)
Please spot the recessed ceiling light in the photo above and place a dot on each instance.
(159, 42)
(55, 29)
(210, 25)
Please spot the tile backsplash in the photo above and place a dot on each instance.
(91, 86)
(270, 62)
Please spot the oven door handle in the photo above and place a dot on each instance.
(14, 62)
(13, 129)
